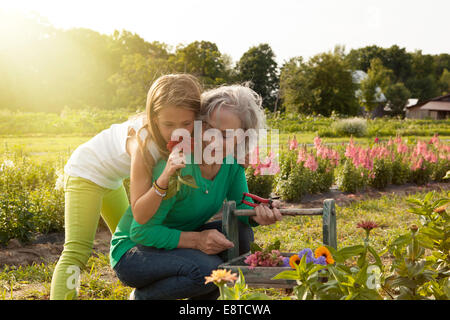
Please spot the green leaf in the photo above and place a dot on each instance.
(351, 251)
(171, 190)
(376, 256)
(286, 275)
(428, 197)
(188, 180)
(254, 247)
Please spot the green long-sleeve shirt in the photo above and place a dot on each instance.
(188, 210)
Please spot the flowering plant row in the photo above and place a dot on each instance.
(302, 170)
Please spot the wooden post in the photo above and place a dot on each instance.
(230, 228)
(329, 223)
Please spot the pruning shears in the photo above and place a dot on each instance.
(257, 199)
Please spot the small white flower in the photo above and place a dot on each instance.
(59, 184)
(6, 164)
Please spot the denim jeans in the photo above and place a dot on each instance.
(175, 274)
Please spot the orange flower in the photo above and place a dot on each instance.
(323, 251)
(294, 260)
(220, 275)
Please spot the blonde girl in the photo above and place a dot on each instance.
(94, 174)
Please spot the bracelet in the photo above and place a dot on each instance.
(159, 186)
(162, 195)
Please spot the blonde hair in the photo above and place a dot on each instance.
(179, 90)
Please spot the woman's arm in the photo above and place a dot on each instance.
(155, 234)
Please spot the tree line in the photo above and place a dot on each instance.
(45, 69)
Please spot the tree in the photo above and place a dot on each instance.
(319, 86)
(397, 96)
(258, 66)
(134, 79)
(202, 59)
(444, 82)
(423, 84)
(378, 79)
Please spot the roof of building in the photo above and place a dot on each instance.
(442, 100)
(436, 106)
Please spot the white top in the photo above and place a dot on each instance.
(104, 159)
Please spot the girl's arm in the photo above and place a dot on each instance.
(143, 197)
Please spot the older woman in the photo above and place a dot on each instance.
(169, 256)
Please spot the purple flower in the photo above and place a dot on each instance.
(286, 262)
(309, 255)
(321, 260)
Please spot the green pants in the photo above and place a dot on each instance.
(84, 202)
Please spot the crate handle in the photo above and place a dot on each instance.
(231, 230)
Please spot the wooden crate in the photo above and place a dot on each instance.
(260, 277)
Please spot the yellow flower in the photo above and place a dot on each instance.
(220, 275)
(294, 260)
(323, 251)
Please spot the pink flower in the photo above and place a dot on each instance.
(311, 163)
(293, 144)
(377, 140)
(301, 155)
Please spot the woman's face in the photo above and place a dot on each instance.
(223, 120)
(172, 118)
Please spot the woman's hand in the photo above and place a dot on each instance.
(265, 215)
(212, 242)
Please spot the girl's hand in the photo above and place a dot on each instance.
(265, 215)
(175, 161)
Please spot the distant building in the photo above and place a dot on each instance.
(436, 108)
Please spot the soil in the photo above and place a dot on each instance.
(48, 248)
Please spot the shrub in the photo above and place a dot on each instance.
(297, 185)
(400, 172)
(439, 169)
(353, 126)
(422, 175)
(382, 170)
(260, 185)
(350, 179)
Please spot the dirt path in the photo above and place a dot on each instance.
(47, 248)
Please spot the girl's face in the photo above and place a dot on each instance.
(172, 118)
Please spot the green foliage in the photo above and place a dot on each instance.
(297, 184)
(259, 184)
(202, 59)
(258, 66)
(319, 86)
(400, 171)
(29, 200)
(383, 171)
(378, 77)
(415, 274)
(349, 178)
(422, 175)
(397, 96)
(239, 291)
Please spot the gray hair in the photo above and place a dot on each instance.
(239, 99)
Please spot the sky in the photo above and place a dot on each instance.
(292, 28)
